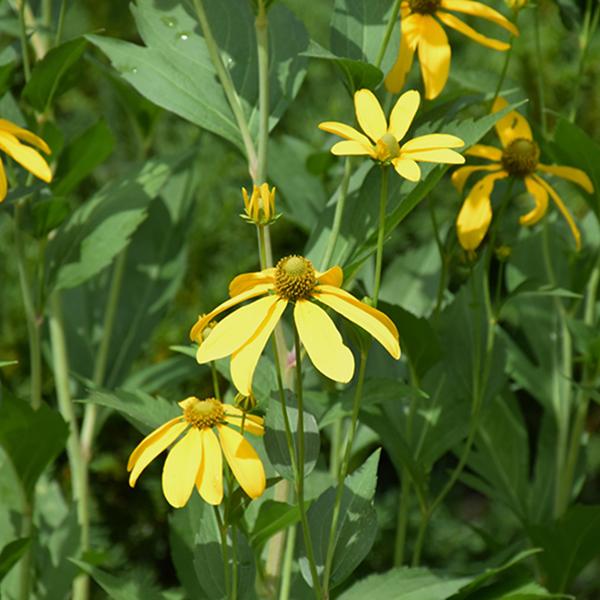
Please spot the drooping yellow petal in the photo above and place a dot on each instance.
(512, 126)
(181, 468)
(209, 480)
(252, 423)
(479, 9)
(463, 28)
(460, 176)
(27, 157)
(152, 445)
(247, 281)
(345, 131)
(351, 148)
(571, 174)
(24, 135)
(540, 198)
(410, 31)
(204, 320)
(563, 209)
(244, 360)
(403, 113)
(434, 56)
(433, 141)
(475, 215)
(333, 276)
(483, 151)
(378, 324)
(243, 460)
(3, 182)
(369, 114)
(232, 332)
(323, 342)
(440, 155)
(407, 168)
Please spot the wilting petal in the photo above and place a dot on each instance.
(246, 281)
(27, 157)
(403, 113)
(483, 151)
(24, 135)
(406, 168)
(410, 31)
(463, 28)
(512, 126)
(252, 423)
(479, 9)
(433, 141)
(209, 481)
(181, 468)
(323, 342)
(434, 56)
(345, 131)
(378, 324)
(440, 155)
(540, 197)
(243, 460)
(3, 182)
(351, 148)
(244, 360)
(460, 176)
(571, 174)
(152, 445)
(333, 276)
(563, 209)
(475, 215)
(369, 114)
(235, 330)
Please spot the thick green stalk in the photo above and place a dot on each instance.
(380, 232)
(261, 26)
(388, 32)
(288, 559)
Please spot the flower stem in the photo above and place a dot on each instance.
(286, 571)
(380, 233)
(23, 40)
(443, 260)
(60, 22)
(215, 381)
(224, 551)
(540, 71)
(261, 26)
(388, 32)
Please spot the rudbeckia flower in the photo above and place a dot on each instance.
(244, 333)
(196, 455)
(10, 142)
(519, 158)
(422, 33)
(382, 143)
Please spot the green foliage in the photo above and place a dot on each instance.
(11, 553)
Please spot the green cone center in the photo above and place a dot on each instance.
(295, 278)
(387, 147)
(203, 413)
(520, 158)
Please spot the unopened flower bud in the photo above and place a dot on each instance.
(245, 403)
(260, 206)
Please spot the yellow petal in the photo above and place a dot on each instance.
(369, 114)
(333, 276)
(243, 460)
(433, 141)
(27, 157)
(181, 468)
(24, 135)
(410, 27)
(511, 126)
(403, 113)
(252, 423)
(434, 56)
(463, 28)
(152, 445)
(244, 360)
(209, 480)
(460, 176)
(3, 182)
(351, 148)
(323, 342)
(540, 197)
(440, 155)
(563, 209)
(406, 168)
(235, 330)
(204, 320)
(483, 151)
(247, 281)
(479, 9)
(345, 131)
(570, 173)
(378, 324)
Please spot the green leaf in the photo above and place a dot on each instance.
(20, 427)
(11, 554)
(357, 524)
(47, 214)
(272, 517)
(53, 74)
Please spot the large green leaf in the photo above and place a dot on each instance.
(10, 555)
(272, 517)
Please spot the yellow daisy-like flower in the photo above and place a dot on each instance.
(422, 33)
(244, 333)
(518, 158)
(382, 143)
(196, 455)
(10, 142)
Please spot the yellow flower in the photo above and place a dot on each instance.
(10, 136)
(422, 33)
(383, 144)
(518, 158)
(516, 4)
(260, 207)
(244, 333)
(195, 458)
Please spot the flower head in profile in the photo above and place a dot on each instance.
(200, 437)
(243, 333)
(10, 142)
(260, 206)
(518, 158)
(422, 33)
(382, 142)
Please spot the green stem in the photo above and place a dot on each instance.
(215, 380)
(502, 77)
(388, 32)
(402, 520)
(540, 71)
(444, 262)
(224, 552)
(23, 40)
(261, 25)
(380, 232)
(288, 559)
(27, 531)
(60, 23)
